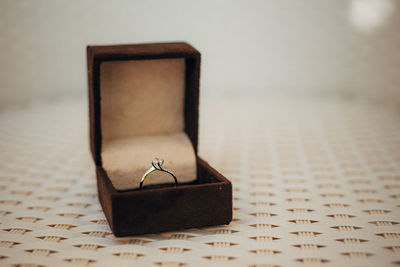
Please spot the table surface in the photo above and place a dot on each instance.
(315, 181)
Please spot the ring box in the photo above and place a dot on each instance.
(206, 201)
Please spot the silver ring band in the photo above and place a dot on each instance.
(157, 166)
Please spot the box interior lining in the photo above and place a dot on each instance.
(142, 117)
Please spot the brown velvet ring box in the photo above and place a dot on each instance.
(144, 103)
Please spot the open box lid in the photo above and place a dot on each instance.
(96, 55)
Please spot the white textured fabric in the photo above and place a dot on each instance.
(315, 181)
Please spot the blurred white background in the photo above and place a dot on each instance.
(342, 48)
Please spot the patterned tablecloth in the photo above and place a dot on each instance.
(315, 182)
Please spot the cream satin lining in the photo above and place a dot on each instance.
(142, 117)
